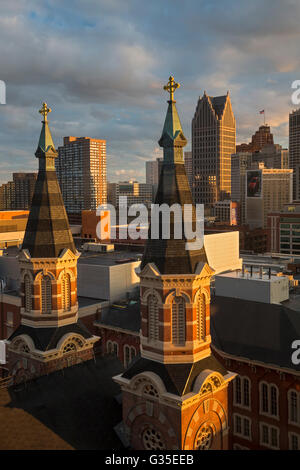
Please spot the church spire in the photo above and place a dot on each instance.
(172, 139)
(170, 255)
(45, 143)
(47, 231)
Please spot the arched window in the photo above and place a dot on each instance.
(112, 347)
(178, 321)
(46, 294)
(241, 391)
(201, 314)
(153, 318)
(69, 347)
(269, 403)
(66, 292)
(28, 293)
(294, 406)
(129, 354)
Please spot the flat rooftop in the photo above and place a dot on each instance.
(247, 277)
(88, 301)
(107, 259)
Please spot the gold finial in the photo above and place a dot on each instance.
(44, 111)
(171, 87)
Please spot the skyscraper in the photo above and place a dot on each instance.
(153, 169)
(267, 190)
(17, 194)
(81, 171)
(294, 150)
(175, 394)
(213, 142)
(188, 163)
(260, 138)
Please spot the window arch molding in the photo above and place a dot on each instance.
(139, 381)
(144, 299)
(22, 343)
(78, 340)
(42, 274)
(202, 291)
(177, 293)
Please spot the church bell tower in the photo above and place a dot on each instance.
(50, 336)
(175, 394)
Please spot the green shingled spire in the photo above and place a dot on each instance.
(47, 232)
(172, 139)
(45, 143)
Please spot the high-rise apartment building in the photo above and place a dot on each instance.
(213, 143)
(17, 194)
(24, 189)
(294, 150)
(267, 191)
(81, 171)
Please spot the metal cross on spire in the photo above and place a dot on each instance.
(171, 86)
(44, 111)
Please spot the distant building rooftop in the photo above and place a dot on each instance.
(124, 317)
(107, 259)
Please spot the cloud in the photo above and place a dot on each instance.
(101, 64)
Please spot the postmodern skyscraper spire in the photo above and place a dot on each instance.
(170, 256)
(175, 394)
(47, 232)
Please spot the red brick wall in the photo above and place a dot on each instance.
(256, 374)
(120, 338)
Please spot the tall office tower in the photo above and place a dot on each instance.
(267, 190)
(261, 137)
(24, 188)
(188, 163)
(294, 149)
(240, 163)
(81, 172)
(175, 394)
(213, 143)
(50, 336)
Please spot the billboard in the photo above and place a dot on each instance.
(254, 183)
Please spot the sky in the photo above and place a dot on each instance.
(101, 65)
